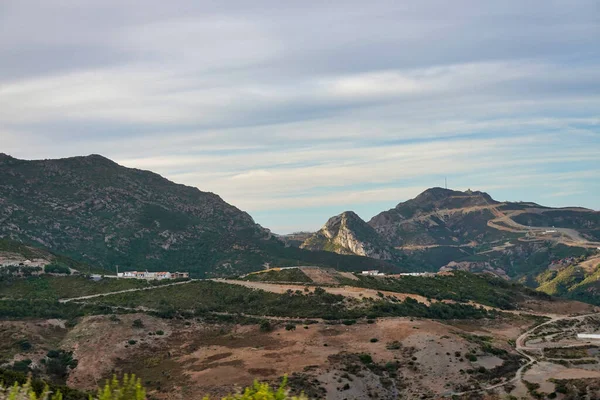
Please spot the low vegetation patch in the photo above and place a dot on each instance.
(281, 275)
(236, 299)
(459, 286)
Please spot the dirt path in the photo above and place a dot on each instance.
(91, 296)
(521, 348)
(504, 222)
(346, 291)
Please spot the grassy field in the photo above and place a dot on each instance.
(59, 287)
(283, 275)
(460, 286)
(208, 296)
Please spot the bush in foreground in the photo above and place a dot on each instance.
(130, 388)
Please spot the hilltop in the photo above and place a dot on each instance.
(347, 233)
(449, 229)
(93, 210)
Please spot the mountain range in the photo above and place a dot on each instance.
(444, 229)
(94, 211)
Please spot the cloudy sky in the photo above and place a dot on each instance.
(297, 110)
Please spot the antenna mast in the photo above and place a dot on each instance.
(446, 182)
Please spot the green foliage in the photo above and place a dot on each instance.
(365, 358)
(26, 392)
(24, 345)
(231, 298)
(12, 378)
(14, 309)
(137, 323)
(282, 275)
(57, 269)
(459, 286)
(262, 391)
(60, 287)
(265, 326)
(129, 388)
(213, 237)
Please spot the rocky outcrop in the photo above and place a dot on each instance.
(347, 233)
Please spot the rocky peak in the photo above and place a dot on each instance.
(347, 233)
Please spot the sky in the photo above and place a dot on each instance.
(295, 111)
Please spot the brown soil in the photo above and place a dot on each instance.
(191, 358)
(347, 291)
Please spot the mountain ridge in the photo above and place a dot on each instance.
(92, 209)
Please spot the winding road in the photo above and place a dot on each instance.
(522, 349)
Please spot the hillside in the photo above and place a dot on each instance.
(364, 337)
(94, 210)
(470, 231)
(347, 233)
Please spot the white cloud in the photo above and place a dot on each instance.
(295, 105)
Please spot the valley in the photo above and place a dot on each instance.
(448, 295)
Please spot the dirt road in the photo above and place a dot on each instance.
(346, 291)
(521, 348)
(91, 296)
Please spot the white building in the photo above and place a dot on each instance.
(588, 336)
(372, 272)
(144, 275)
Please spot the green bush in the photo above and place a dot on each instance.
(57, 269)
(265, 326)
(138, 323)
(130, 388)
(160, 333)
(290, 327)
(365, 358)
(374, 340)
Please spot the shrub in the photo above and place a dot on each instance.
(138, 323)
(26, 392)
(160, 333)
(365, 358)
(349, 321)
(471, 357)
(290, 327)
(265, 326)
(395, 345)
(374, 340)
(24, 345)
(129, 389)
(57, 269)
(132, 342)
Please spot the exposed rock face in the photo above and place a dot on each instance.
(347, 233)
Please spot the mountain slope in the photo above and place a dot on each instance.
(469, 230)
(347, 233)
(94, 210)
(438, 217)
